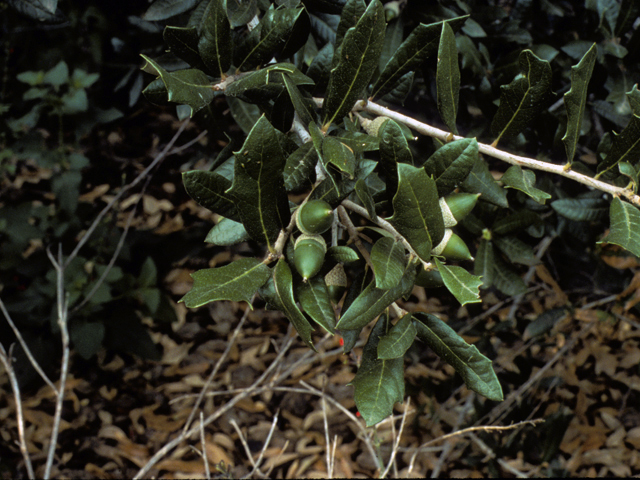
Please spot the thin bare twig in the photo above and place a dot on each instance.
(492, 151)
(25, 348)
(251, 390)
(219, 363)
(203, 441)
(396, 443)
(125, 189)
(63, 311)
(266, 444)
(491, 454)
(15, 386)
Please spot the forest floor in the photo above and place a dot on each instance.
(567, 357)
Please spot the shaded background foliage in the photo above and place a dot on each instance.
(106, 40)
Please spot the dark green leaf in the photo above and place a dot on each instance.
(40, 10)
(314, 301)
(359, 56)
(86, 337)
(629, 12)
(320, 68)
(245, 114)
(241, 13)
(545, 322)
(515, 222)
(359, 141)
(343, 254)
(190, 87)
(389, 262)
(378, 383)
(417, 215)
(575, 100)
(300, 167)
(524, 180)
(365, 197)
(399, 93)
(373, 301)
(581, 209)
(625, 226)
(450, 164)
(392, 41)
(516, 250)
(215, 44)
(237, 282)
(183, 42)
(524, 98)
(460, 283)
(481, 181)
(484, 261)
(338, 154)
(227, 233)
(258, 185)
(305, 107)
(266, 84)
(351, 13)
(448, 77)
(506, 279)
(268, 38)
(628, 170)
(394, 149)
(163, 9)
(209, 190)
(420, 45)
(283, 283)
(475, 369)
(625, 147)
(397, 341)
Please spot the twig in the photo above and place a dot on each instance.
(543, 247)
(203, 442)
(15, 386)
(396, 443)
(245, 445)
(500, 409)
(219, 363)
(448, 447)
(25, 348)
(365, 435)
(125, 189)
(482, 428)
(388, 227)
(426, 129)
(491, 454)
(327, 442)
(266, 444)
(217, 414)
(64, 333)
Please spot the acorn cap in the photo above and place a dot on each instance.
(308, 255)
(460, 204)
(336, 281)
(314, 217)
(373, 126)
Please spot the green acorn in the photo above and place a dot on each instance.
(452, 247)
(314, 217)
(456, 206)
(308, 255)
(336, 281)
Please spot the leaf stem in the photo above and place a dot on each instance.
(388, 227)
(426, 129)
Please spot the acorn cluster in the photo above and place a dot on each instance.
(315, 217)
